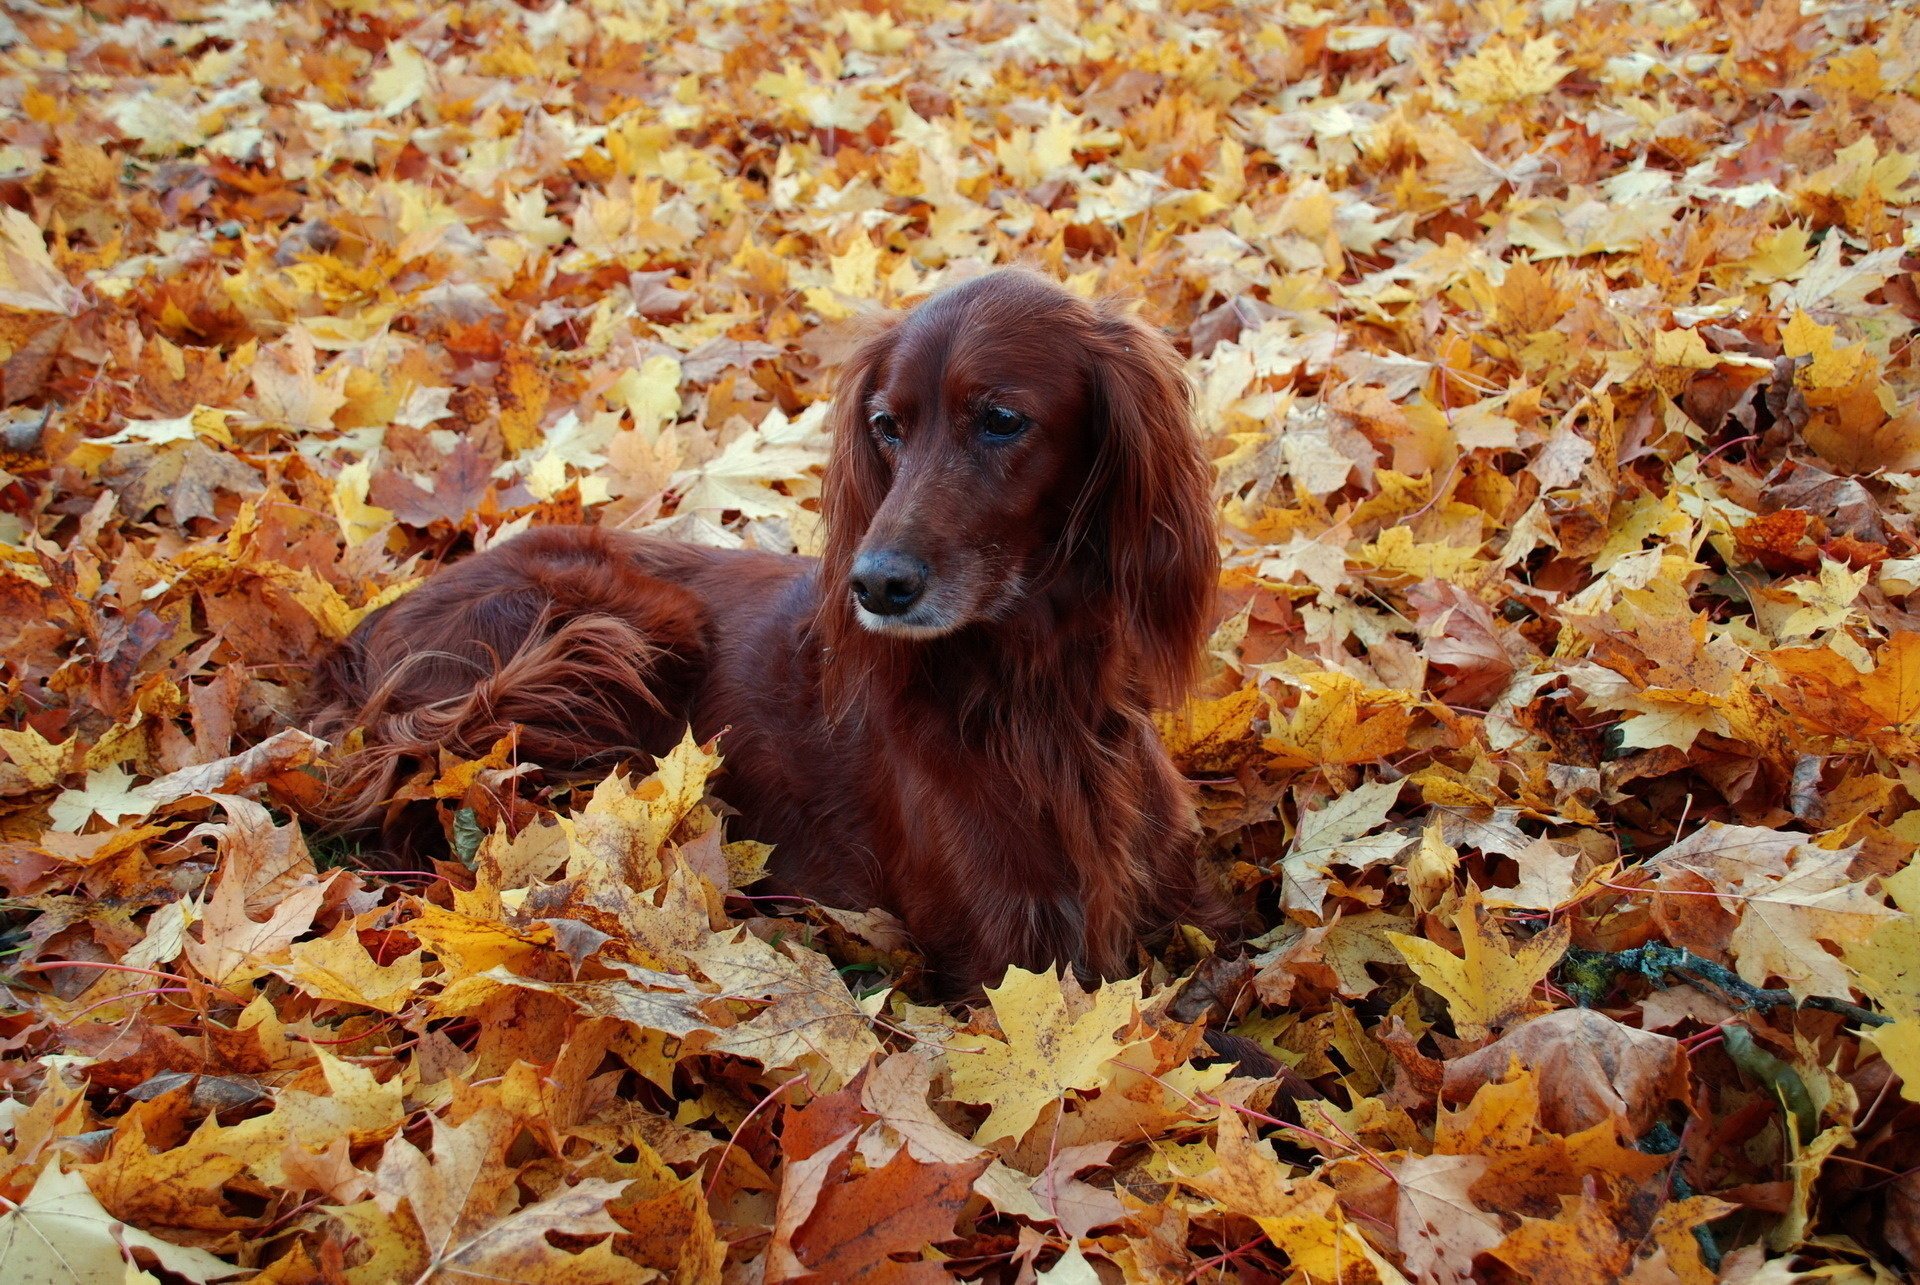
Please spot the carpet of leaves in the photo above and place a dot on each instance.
(1557, 359)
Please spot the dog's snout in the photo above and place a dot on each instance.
(888, 583)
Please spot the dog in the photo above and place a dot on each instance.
(949, 713)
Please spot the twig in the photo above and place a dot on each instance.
(720, 1164)
(1654, 961)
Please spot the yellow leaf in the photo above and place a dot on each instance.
(1781, 255)
(467, 945)
(41, 762)
(400, 84)
(625, 823)
(1214, 735)
(1493, 983)
(1831, 367)
(357, 1106)
(856, 269)
(810, 1020)
(359, 520)
(206, 422)
(471, 1224)
(1058, 1039)
(651, 394)
(1828, 600)
(61, 1235)
(1888, 965)
(1394, 550)
(1499, 73)
(1340, 833)
(338, 967)
(109, 793)
(875, 33)
(1340, 720)
(288, 390)
(1430, 870)
(1788, 916)
(1682, 349)
(1301, 1215)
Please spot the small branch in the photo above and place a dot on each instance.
(1592, 973)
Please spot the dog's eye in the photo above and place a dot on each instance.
(886, 426)
(1001, 423)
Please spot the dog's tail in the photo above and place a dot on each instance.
(571, 693)
(581, 678)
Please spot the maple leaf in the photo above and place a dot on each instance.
(1491, 984)
(1784, 922)
(1888, 968)
(182, 476)
(1594, 1070)
(462, 1197)
(285, 751)
(1441, 1227)
(1320, 563)
(401, 83)
(1340, 720)
(1499, 73)
(810, 1018)
(1582, 1247)
(459, 485)
(860, 1221)
(1827, 602)
(290, 390)
(1214, 735)
(40, 762)
(338, 967)
(356, 1106)
(651, 1001)
(1343, 949)
(1789, 896)
(177, 1187)
(261, 863)
(109, 794)
(60, 1233)
(624, 824)
(1058, 1039)
(650, 394)
(1836, 697)
(359, 520)
(1297, 1214)
(1340, 832)
(742, 476)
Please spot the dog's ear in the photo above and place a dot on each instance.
(1156, 490)
(857, 475)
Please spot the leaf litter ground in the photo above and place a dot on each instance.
(1557, 363)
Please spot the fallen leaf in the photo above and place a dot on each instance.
(1058, 1039)
(60, 1233)
(1492, 984)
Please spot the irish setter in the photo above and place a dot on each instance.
(947, 714)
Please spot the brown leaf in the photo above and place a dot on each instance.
(1592, 1069)
(461, 484)
(181, 475)
(861, 1220)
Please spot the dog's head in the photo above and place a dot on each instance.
(1007, 438)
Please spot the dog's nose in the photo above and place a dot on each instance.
(888, 583)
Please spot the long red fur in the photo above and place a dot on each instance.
(1000, 787)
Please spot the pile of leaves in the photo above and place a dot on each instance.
(1558, 366)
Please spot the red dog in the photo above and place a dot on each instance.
(946, 715)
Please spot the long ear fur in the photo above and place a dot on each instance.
(1158, 493)
(855, 485)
